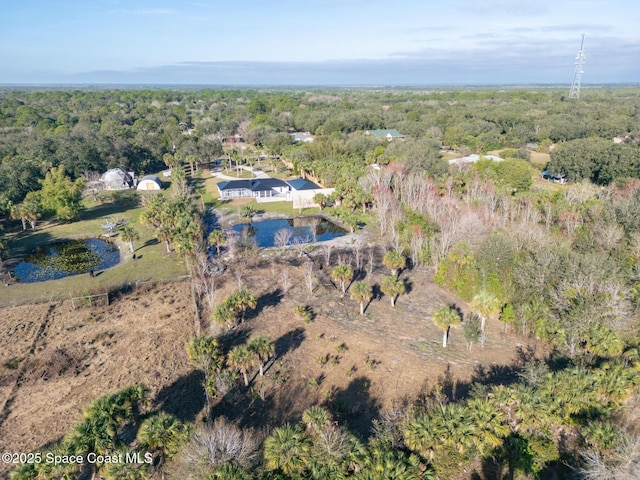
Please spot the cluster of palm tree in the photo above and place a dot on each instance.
(343, 274)
(243, 357)
(318, 448)
(175, 222)
(524, 425)
(205, 354)
(101, 433)
(233, 308)
(362, 291)
(29, 211)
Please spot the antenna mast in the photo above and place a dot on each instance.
(577, 73)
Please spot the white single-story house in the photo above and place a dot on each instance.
(388, 134)
(117, 179)
(473, 158)
(150, 182)
(304, 137)
(252, 188)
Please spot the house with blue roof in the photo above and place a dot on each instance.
(300, 184)
(252, 188)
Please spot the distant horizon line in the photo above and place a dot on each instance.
(14, 85)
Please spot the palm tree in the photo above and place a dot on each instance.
(380, 461)
(320, 199)
(204, 354)
(241, 358)
(489, 425)
(126, 470)
(18, 212)
(163, 434)
(286, 449)
(248, 212)
(217, 239)
(26, 471)
(485, 304)
(242, 300)
(424, 435)
(130, 235)
(230, 471)
(394, 261)
(92, 435)
(393, 287)
(444, 317)
(343, 275)
(316, 418)
(361, 292)
(263, 348)
(130, 398)
(164, 234)
(223, 314)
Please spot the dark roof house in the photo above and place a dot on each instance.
(255, 187)
(302, 184)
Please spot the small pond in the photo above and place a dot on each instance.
(66, 258)
(304, 229)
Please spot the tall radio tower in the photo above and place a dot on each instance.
(577, 73)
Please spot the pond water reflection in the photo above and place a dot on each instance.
(66, 258)
(303, 229)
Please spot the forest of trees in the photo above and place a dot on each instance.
(559, 266)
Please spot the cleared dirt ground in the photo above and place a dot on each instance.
(68, 357)
(373, 362)
(55, 360)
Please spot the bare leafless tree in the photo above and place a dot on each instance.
(307, 272)
(299, 244)
(327, 255)
(623, 464)
(285, 277)
(357, 255)
(314, 223)
(371, 254)
(282, 237)
(333, 442)
(215, 445)
(238, 270)
(202, 276)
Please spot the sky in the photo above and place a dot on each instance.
(318, 42)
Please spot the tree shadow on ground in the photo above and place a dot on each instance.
(270, 299)
(490, 376)
(359, 275)
(228, 340)
(184, 398)
(354, 407)
(120, 203)
(23, 242)
(149, 243)
(289, 341)
(408, 286)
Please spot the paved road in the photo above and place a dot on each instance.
(256, 172)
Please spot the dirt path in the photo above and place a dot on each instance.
(6, 407)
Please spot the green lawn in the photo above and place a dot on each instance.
(284, 208)
(152, 263)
